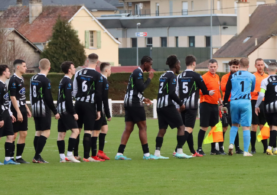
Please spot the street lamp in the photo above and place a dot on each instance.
(138, 24)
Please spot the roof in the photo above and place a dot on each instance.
(262, 26)
(202, 65)
(117, 4)
(101, 5)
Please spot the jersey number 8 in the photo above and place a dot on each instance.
(34, 91)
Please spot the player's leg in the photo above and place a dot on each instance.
(262, 121)
(61, 145)
(95, 135)
(14, 138)
(71, 143)
(272, 122)
(235, 116)
(254, 127)
(23, 127)
(102, 136)
(214, 119)
(246, 118)
(76, 147)
(80, 122)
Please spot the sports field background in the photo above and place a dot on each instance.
(206, 175)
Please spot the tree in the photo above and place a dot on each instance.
(64, 45)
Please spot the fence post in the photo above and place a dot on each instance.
(111, 107)
(154, 108)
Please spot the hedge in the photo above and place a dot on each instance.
(118, 84)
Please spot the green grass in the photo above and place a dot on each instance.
(207, 175)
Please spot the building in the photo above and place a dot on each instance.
(41, 19)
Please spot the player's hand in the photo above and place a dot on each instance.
(29, 113)
(211, 92)
(147, 101)
(19, 117)
(76, 117)
(220, 107)
(109, 119)
(224, 109)
(98, 115)
(57, 116)
(182, 108)
(1, 123)
(151, 75)
(257, 111)
(13, 119)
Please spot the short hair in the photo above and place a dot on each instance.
(244, 62)
(44, 64)
(171, 61)
(93, 58)
(272, 66)
(145, 59)
(190, 59)
(103, 65)
(66, 66)
(3, 68)
(211, 61)
(18, 62)
(234, 62)
(258, 59)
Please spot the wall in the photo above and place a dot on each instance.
(100, 13)
(83, 22)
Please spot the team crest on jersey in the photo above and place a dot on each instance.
(101, 79)
(174, 81)
(107, 85)
(6, 96)
(22, 91)
(14, 84)
(140, 74)
(69, 84)
(85, 72)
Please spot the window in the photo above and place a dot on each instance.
(184, 8)
(91, 39)
(157, 9)
(218, 5)
(134, 42)
(192, 6)
(177, 41)
(208, 41)
(236, 6)
(137, 9)
(163, 41)
(246, 39)
(170, 8)
(191, 41)
(260, 3)
(149, 42)
(226, 67)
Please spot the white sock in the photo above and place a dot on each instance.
(269, 147)
(7, 158)
(157, 153)
(180, 150)
(62, 156)
(18, 157)
(118, 154)
(69, 153)
(147, 154)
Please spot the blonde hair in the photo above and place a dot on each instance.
(244, 62)
(44, 64)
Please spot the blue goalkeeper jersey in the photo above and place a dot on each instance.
(240, 85)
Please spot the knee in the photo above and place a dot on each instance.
(10, 138)
(23, 134)
(46, 133)
(61, 136)
(161, 133)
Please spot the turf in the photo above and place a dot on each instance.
(207, 175)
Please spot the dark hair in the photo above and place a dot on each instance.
(145, 59)
(258, 59)
(171, 61)
(234, 62)
(190, 59)
(3, 68)
(103, 66)
(93, 57)
(211, 61)
(66, 66)
(18, 62)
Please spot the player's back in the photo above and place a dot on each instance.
(242, 84)
(166, 81)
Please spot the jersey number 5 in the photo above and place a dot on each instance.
(185, 87)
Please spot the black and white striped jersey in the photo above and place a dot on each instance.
(269, 84)
(4, 99)
(17, 89)
(136, 86)
(65, 102)
(41, 96)
(167, 87)
(87, 87)
(188, 85)
(105, 97)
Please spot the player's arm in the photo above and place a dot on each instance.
(140, 84)
(105, 97)
(68, 98)
(12, 90)
(172, 91)
(98, 95)
(1, 110)
(253, 84)
(261, 93)
(48, 97)
(228, 90)
(202, 86)
(75, 86)
(177, 92)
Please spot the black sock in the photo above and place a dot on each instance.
(71, 144)
(190, 143)
(159, 142)
(264, 144)
(93, 146)
(201, 136)
(253, 140)
(121, 148)
(40, 146)
(145, 148)
(36, 142)
(8, 149)
(212, 146)
(102, 141)
(272, 139)
(180, 141)
(221, 143)
(20, 149)
(237, 142)
(86, 144)
(12, 156)
(61, 146)
(76, 147)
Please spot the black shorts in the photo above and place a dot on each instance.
(87, 115)
(189, 117)
(271, 119)
(20, 126)
(229, 115)
(101, 122)
(169, 116)
(43, 123)
(66, 122)
(134, 114)
(7, 129)
(261, 118)
(208, 114)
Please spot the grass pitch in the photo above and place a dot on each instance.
(206, 175)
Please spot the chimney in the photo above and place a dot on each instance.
(19, 2)
(242, 15)
(35, 9)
